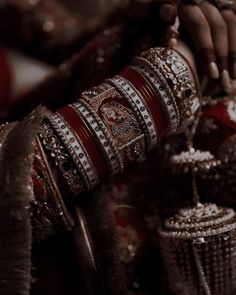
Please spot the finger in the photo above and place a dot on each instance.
(167, 10)
(232, 64)
(168, 13)
(230, 20)
(195, 22)
(219, 33)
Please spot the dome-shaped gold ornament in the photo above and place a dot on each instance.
(199, 243)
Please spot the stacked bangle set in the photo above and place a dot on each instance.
(113, 124)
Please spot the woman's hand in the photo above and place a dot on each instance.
(212, 27)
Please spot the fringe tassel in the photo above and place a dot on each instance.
(15, 193)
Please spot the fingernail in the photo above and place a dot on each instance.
(213, 70)
(172, 42)
(168, 13)
(225, 80)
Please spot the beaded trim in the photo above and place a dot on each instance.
(229, 214)
(102, 134)
(201, 221)
(75, 149)
(94, 91)
(62, 159)
(207, 233)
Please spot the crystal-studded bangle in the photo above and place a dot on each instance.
(153, 101)
(140, 109)
(53, 145)
(102, 134)
(178, 74)
(174, 67)
(53, 207)
(75, 149)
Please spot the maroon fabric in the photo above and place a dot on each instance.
(5, 83)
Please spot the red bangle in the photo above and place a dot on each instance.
(151, 99)
(91, 146)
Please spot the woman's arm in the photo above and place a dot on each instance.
(111, 126)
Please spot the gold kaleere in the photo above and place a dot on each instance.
(199, 243)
